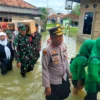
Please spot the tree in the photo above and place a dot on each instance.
(44, 17)
(76, 9)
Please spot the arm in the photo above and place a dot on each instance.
(82, 63)
(67, 64)
(94, 70)
(17, 49)
(68, 70)
(45, 70)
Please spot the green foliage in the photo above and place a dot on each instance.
(45, 13)
(44, 17)
(76, 9)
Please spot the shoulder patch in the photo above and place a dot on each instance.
(44, 52)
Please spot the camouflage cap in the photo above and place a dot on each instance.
(22, 27)
(11, 24)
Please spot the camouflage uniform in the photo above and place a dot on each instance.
(24, 53)
(36, 46)
(11, 35)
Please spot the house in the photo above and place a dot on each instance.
(89, 20)
(71, 19)
(17, 10)
(56, 17)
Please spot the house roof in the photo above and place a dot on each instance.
(16, 3)
(56, 15)
(71, 16)
(28, 11)
(19, 7)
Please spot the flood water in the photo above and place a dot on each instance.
(14, 87)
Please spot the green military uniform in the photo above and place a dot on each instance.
(36, 46)
(79, 63)
(11, 34)
(92, 85)
(24, 52)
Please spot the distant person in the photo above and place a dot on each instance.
(36, 44)
(4, 27)
(11, 33)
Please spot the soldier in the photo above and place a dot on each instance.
(24, 54)
(11, 33)
(36, 44)
(79, 63)
(55, 68)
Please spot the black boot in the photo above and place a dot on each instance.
(23, 74)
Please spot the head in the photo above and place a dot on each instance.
(37, 27)
(4, 27)
(27, 28)
(2, 36)
(56, 36)
(57, 40)
(11, 27)
(22, 29)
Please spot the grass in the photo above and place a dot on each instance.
(72, 32)
(44, 35)
(51, 25)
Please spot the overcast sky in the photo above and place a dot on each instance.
(57, 5)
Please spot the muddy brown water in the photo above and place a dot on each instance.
(14, 87)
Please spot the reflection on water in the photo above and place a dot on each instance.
(14, 87)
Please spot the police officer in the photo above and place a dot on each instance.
(55, 68)
(79, 63)
(24, 54)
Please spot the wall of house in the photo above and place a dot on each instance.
(14, 17)
(96, 22)
(18, 18)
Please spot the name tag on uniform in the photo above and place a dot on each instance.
(55, 57)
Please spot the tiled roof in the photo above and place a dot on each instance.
(63, 16)
(16, 3)
(55, 16)
(28, 11)
(72, 16)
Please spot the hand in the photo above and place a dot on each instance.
(33, 34)
(80, 86)
(19, 65)
(79, 83)
(70, 76)
(48, 91)
(11, 40)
